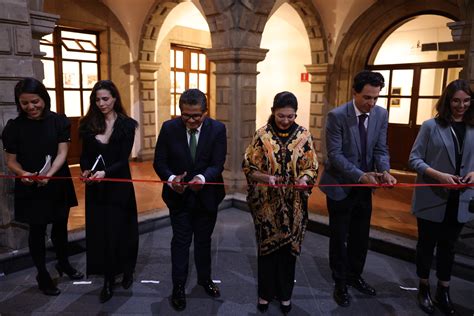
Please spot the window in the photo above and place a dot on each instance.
(189, 69)
(71, 68)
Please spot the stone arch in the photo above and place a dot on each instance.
(148, 67)
(354, 50)
(319, 65)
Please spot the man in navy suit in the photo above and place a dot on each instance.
(356, 143)
(191, 149)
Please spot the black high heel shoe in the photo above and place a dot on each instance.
(285, 309)
(107, 290)
(262, 307)
(46, 285)
(72, 273)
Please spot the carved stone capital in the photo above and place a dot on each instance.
(42, 23)
(461, 31)
(237, 55)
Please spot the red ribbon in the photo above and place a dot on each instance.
(381, 185)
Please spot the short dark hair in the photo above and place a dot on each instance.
(94, 120)
(364, 77)
(34, 86)
(193, 97)
(443, 106)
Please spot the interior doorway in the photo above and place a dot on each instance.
(418, 59)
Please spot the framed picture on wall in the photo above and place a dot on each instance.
(394, 101)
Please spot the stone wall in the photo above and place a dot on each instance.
(20, 28)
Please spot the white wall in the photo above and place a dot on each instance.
(404, 44)
(184, 14)
(286, 38)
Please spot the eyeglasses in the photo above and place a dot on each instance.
(195, 117)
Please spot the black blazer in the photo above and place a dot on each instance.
(173, 157)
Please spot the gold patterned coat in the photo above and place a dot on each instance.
(280, 214)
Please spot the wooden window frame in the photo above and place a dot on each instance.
(187, 50)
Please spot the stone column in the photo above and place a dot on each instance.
(236, 81)
(148, 73)
(463, 32)
(319, 104)
(18, 26)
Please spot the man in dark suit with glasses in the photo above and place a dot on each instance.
(191, 151)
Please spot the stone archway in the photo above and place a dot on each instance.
(359, 41)
(318, 68)
(147, 73)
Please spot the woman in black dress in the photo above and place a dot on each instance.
(27, 140)
(111, 210)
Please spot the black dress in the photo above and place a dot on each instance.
(111, 209)
(31, 141)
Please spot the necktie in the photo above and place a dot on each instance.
(363, 142)
(192, 143)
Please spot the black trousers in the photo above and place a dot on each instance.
(187, 223)
(443, 236)
(349, 223)
(276, 274)
(36, 243)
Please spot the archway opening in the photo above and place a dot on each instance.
(286, 39)
(417, 58)
(180, 45)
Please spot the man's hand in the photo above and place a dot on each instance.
(468, 178)
(196, 184)
(176, 183)
(370, 178)
(447, 178)
(387, 178)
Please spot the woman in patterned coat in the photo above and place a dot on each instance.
(280, 165)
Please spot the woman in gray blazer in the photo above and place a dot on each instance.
(443, 153)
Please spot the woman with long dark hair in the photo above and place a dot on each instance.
(442, 153)
(36, 143)
(111, 210)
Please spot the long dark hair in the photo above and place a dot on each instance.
(94, 121)
(443, 106)
(282, 100)
(34, 86)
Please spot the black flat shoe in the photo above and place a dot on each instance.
(285, 309)
(341, 296)
(46, 285)
(178, 297)
(107, 290)
(360, 285)
(127, 280)
(72, 273)
(443, 301)
(424, 298)
(211, 288)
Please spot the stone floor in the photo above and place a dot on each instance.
(234, 265)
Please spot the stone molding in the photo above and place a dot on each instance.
(42, 23)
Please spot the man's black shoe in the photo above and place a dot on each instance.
(341, 296)
(360, 285)
(210, 288)
(178, 298)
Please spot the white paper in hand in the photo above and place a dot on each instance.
(46, 167)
